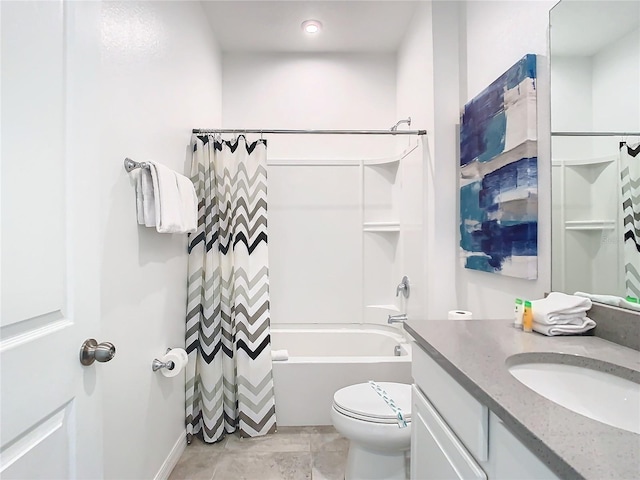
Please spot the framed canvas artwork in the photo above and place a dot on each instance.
(499, 176)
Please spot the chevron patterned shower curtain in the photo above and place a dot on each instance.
(630, 181)
(229, 382)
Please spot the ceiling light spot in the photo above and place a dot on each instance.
(311, 26)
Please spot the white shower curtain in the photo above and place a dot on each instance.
(630, 182)
(229, 380)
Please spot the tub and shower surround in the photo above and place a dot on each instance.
(323, 358)
(336, 225)
(337, 230)
(229, 381)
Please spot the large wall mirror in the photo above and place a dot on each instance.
(595, 123)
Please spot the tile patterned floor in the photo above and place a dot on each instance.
(293, 453)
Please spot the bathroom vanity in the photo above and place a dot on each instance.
(472, 419)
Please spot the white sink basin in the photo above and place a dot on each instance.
(589, 390)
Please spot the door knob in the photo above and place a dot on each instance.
(92, 351)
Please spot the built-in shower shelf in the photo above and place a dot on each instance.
(381, 227)
(585, 162)
(585, 225)
(393, 159)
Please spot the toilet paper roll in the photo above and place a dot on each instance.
(179, 358)
(279, 355)
(183, 353)
(460, 315)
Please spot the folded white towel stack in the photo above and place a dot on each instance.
(561, 314)
(166, 200)
(581, 325)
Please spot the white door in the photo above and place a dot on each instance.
(51, 424)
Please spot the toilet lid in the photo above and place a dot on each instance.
(362, 402)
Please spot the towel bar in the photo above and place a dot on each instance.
(130, 165)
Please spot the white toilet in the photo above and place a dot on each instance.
(377, 444)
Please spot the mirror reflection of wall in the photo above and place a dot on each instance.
(595, 123)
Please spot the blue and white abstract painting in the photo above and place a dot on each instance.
(499, 176)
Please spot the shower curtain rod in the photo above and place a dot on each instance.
(313, 132)
(595, 134)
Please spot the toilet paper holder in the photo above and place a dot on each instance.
(157, 364)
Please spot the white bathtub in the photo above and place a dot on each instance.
(325, 358)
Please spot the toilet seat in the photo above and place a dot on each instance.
(363, 403)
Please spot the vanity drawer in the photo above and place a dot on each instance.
(435, 451)
(467, 417)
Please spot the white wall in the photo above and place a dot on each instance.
(616, 80)
(444, 171)
(572, 108)
(415, 94)
(315, 217)
(498, 34)
(428, 91)
(158, 76)
(312, 91)
(452, 51)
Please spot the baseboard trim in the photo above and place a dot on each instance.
(174, 455)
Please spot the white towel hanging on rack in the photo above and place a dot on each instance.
(145, 201)
(165, 199)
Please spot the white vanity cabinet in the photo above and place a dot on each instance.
(453, 436)
(436, 453)
(510, 459)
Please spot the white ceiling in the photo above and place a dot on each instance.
(585, 27)
(275, 26)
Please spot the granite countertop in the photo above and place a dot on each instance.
(474, 353)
